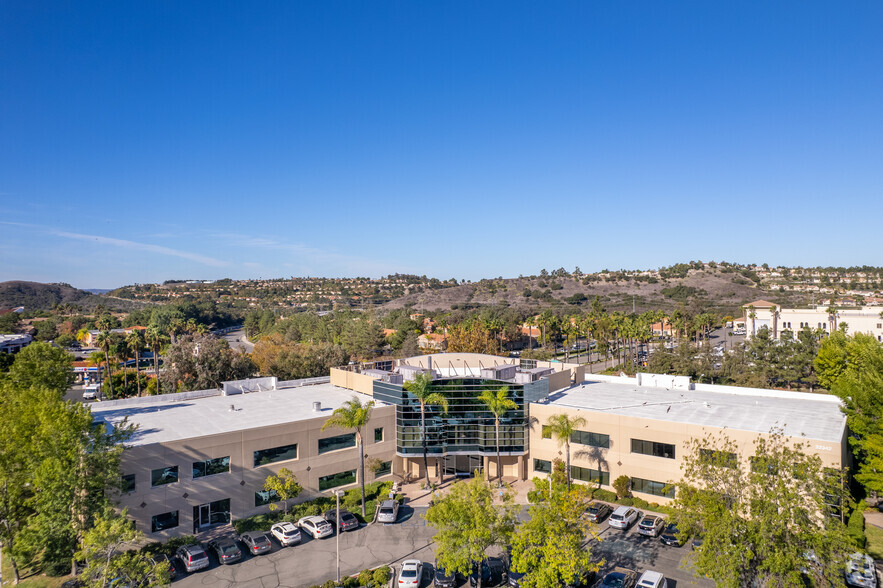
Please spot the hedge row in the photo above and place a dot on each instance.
(375, 578)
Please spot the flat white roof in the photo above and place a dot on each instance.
(162, 420)
(814, 416)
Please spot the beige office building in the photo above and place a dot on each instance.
(199, 459)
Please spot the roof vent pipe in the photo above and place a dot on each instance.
(232, 408)
(317, 407)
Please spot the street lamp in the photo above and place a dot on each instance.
(337, 493)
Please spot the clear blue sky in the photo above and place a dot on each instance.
(143, 141)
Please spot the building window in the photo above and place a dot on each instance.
(880, 325)
(653, 448)
(127, 483)
(385, 469)
(763, 465)
(338, 442)
(591, 439)
(590, 475)
(211, 467)
(724, 459)
(651, 487)
(543, 466)
(164, 476)
(378, 434)
(547, 432)
(264, 497)
(335, 480)
(161, 522)
(274, 454)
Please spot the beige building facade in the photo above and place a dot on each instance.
(762, 314)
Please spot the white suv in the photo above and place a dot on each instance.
(623, 517)
(651, 579)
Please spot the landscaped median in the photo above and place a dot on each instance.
(371, 578)
(351, 501)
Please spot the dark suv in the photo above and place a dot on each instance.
(492, 571)
(445, 579)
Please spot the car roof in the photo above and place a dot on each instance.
(314, 519)
(254, 534)
(285, 526)
(622, 509)
(388, 503)
(650, 576)
(412, 562)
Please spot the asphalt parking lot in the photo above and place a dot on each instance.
(313, 561)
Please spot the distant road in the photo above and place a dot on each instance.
(237, 340)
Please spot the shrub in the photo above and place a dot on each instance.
(856, 525)
(365, 577)
(639, 502)
(381, 576)
(621, 485)
(605, 495)
(626, 501)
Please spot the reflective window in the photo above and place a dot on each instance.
(166, 520)
(211, 467)
(274, 454)
(127, 483)
(591, 439)
(338, 442)
(335, 480)
(653, 448)
(542, 465)
(378, 434)
(385, 469)
(590, 475)
(163, 476)
(651, 487)
(262, 497)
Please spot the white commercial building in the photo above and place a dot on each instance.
(860, 319)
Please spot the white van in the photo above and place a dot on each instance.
(651, 579)
(91, 392)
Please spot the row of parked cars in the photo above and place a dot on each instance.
(227, 549)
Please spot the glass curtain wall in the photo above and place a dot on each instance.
(467, 427)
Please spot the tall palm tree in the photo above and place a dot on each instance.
(421, 389)
(562, 428)
(155, 338)
(135, 343)
(498, 403)
(104, 341)
(353, 415)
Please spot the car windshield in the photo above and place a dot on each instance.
(229, 549)
(616, 517)
(409, 573)
(385, 510)
(671, 530)
(614, 580)
(262, 540)
(200, 555)
(290, 532)
(594, 508)
(648, 522)
(347, 517)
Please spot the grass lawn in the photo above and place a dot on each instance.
(875, 541)
(35, 581)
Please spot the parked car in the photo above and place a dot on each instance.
(623, 517)
(619, 578)
(651, 579)
(670, 535)
(651, 525)
(860, 571)
(444, 579)
(286, 533)
(411, 573)
(697, 542)
(348, 521)
(192, 557)
(582, 580)
(492, 571)
(597, 511)
(226, 550)
(162, 558)
(513, 578)
(388, 511)
(256, 542)
(316, 526)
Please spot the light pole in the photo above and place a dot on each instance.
(337, 493)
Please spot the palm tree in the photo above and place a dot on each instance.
(421, 389)
(832, 317)
(156, 338)
(135, 343)
(104, 341)
(498, 403)
(562, 428)
(353, 415)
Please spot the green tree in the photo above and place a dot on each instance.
(468, 521)
(830, 363)
(562, 428)
(421, 389)
(199, 362)
(105, 341)
(284, 485)
(106, 555)
(762, 513)
(135, 343)
(42, 364)
(355, 416)
(498, 403)
(548, 546)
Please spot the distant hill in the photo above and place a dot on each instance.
(717, 289)
(34, 295)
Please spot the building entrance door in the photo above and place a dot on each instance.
(463, 466)
(204, 515)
